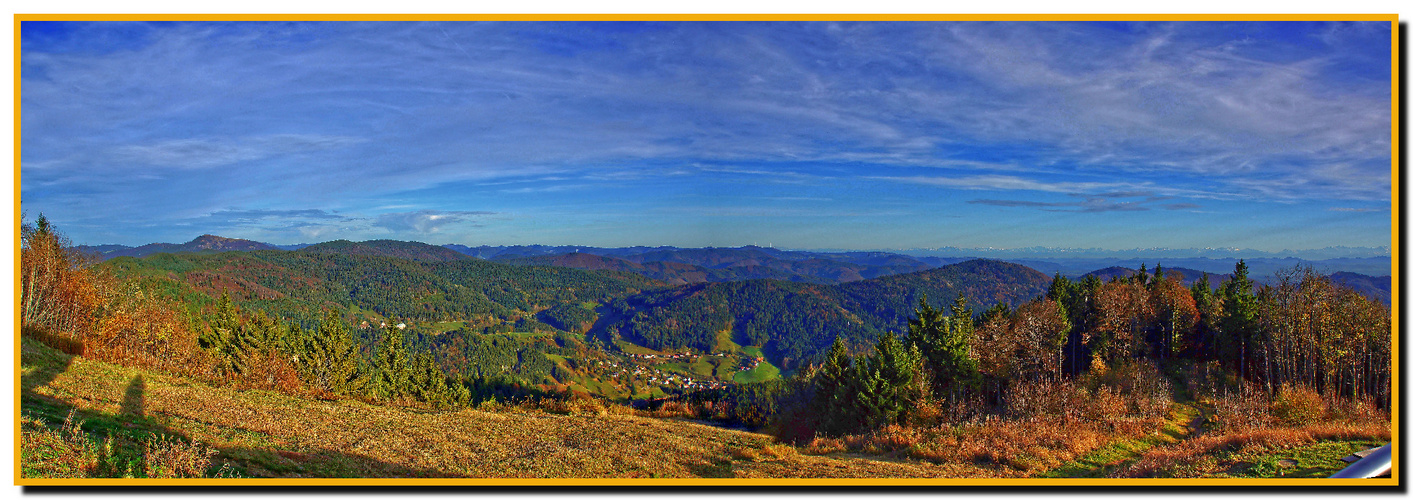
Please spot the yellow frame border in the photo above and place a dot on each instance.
(1394, 249)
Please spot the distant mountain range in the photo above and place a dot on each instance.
(674, 265)
(203, 243)
(1332, 252)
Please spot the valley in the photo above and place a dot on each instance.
(517, 367)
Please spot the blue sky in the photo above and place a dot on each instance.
(1269, 136)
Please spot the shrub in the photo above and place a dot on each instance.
(1247, 407)
(171, 458)
(68, 452)
(1147, 391)
(1297, 405)
(60, 342)
(59, 289)
(1033, 398)
(1105, 405)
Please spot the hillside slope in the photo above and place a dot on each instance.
(300, 284)
(796, 322)
(410, 250)
(264, 434)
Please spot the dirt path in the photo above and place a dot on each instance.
(1185, 420)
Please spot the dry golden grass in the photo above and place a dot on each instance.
(1001, 447)
(1195, 457)
(268, 434)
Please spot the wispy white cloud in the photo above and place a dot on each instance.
(1094, 203)
(425, 221)
(1014, 183)
(205, 153)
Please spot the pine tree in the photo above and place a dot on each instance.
(227, 338)
(427, 382)
(894, 384)
(390, 375)
(944, 344)
(1209, 306)
(329, 358)
(835, 400)
(1238, 323)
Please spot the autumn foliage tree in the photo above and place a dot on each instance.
(1041, 327)
(60, 292)
(1174, 316)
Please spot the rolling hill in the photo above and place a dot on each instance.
(299, 284)
(1189, 276)
(205, 243)
(696, 265)
(1374, 287)
(410, 250)
(796, 322)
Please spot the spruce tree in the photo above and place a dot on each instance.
(1209, 314)
(330, 356)
(1238, 323)
(894, 385)
(944, 346)
(390, 375)
(835, 398)
(227, 338)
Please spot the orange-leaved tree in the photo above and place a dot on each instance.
(61, 295)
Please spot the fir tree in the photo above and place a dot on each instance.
(390, 375)
(944, 344)
(893, 383)
(329, 358)
(1238, 323)
(835, 399)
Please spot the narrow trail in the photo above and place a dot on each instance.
(1184, 422)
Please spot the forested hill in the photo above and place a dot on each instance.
(696, 265)
(890, 300)
(298, 285)
(1375, 287)
(410, 250)
(791, 321)
(675, 273)
(1189, 276)
(796, 322)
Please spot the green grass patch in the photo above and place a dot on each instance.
(762, 372)
(520, 335)
(702, 366)
(631, 348)
(725, 367)
(1313, 460)
(752, 351)
(679, 368)
(1121, 452)
(445, 326)
(724, 342)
